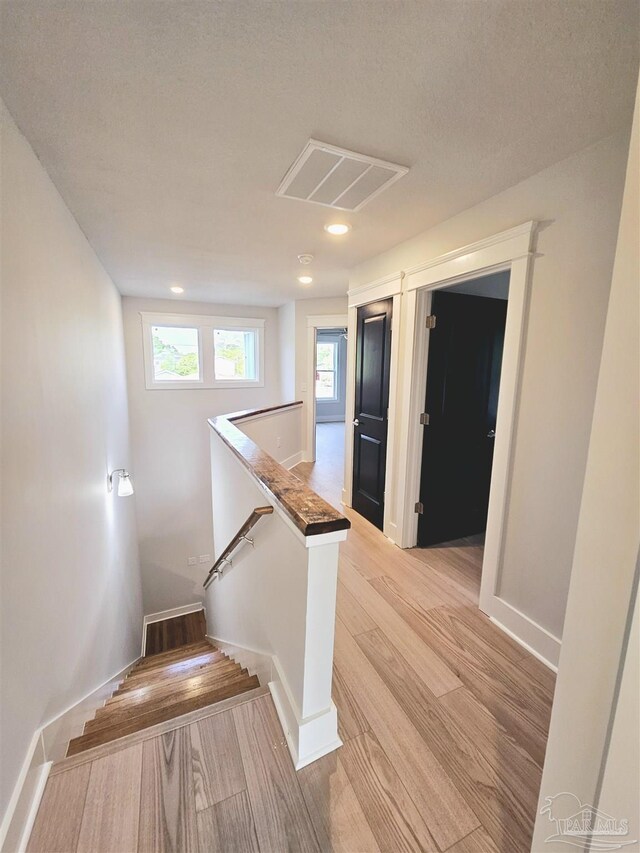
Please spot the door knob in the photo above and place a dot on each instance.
(491, 433)
(356, 422)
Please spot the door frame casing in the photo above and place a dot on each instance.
(315, 322)
(508, 250)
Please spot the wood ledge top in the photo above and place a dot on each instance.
(310, 513)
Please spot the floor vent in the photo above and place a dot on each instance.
(335, 177)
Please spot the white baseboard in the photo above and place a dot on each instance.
(48, 744)
(255, 662)
(292, 461)
(161, 615)
(308, 739)
(531, 636)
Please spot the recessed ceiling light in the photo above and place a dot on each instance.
(338, 229)
(305, 279)
(177, 289)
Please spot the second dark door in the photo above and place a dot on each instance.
(463, 379)
(373, 361)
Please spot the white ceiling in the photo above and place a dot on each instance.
(167, 126)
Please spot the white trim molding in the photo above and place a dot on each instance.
(381, 288)
(307, 738)
(502, 248)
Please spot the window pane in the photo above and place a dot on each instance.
(326, 356)
(175, 354)
(235, 354)
(325, 384)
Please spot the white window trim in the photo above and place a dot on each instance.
(205, 325)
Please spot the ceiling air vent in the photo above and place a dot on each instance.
(335, 177)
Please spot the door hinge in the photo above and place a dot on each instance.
(431, 321)
(419, 508)
(424, 419)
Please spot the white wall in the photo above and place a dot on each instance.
(279, 433)
(71, 599)
(287, 345)
(605, 564)
(170, 445)
(577, 203)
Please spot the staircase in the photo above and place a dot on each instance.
(162, 686)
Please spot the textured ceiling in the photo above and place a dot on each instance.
(167, 126)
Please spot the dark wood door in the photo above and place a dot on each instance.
(463, 379)
(373, 361)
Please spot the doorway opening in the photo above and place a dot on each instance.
(462, 388)
(330, 384)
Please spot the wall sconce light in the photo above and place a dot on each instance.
(125, 486)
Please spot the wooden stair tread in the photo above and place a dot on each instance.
(235, 688)
(127, 710)
(142, 712)
(175, 651)
(110, 747)
(180, 653)
(188, 667)
(166, 685)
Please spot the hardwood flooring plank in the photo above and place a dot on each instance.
(513, 698)
(57, 824)
(217, 765)
(279, 810)
(391, 813)
(112, 807)
(167, 803)
(335, 810)
(446, 813)
(431, 668)
(351, 720)
(545, 677)
(354, 617)
(504, 801)
(228, 827)
(479, 842)
(511, 761)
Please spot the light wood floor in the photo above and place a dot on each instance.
(443, 717)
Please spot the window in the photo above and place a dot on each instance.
(326, 370)
(235, 353)
(194, 351)
(176, 354)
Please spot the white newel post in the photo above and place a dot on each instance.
(273, 609)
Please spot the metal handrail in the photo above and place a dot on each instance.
(241, 536)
